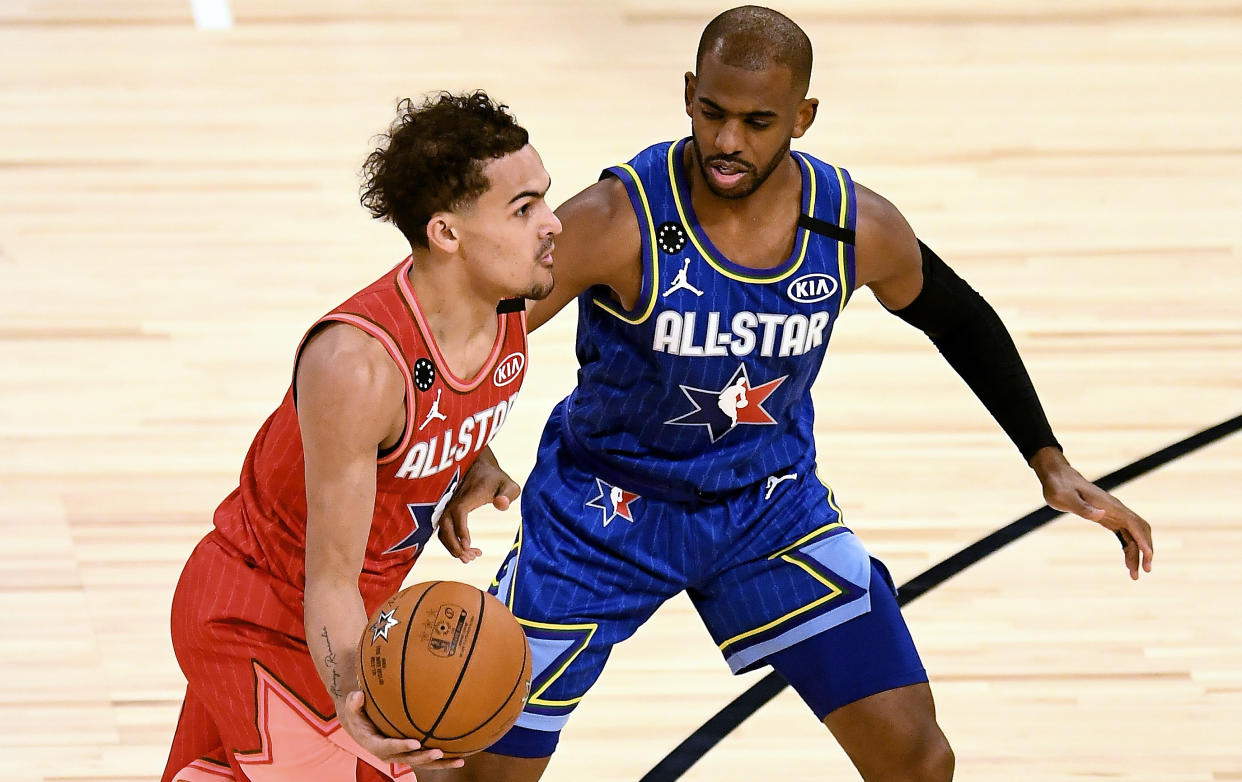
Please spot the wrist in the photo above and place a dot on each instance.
(486, 456)
(1048, 460)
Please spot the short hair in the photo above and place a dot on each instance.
(432, 158)
(756, 38)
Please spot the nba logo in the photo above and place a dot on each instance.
(447, 630)
(613, 501)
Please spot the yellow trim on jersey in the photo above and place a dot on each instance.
(653, 268)
(809, 536)
(845, 200)
(836, 592)
(832, 499)
(590, 627)
(832, 502)
(517, 546)
(801, 235)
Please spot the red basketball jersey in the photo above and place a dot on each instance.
(448, 421)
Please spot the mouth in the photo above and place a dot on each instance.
(545, 258)
(727, 173)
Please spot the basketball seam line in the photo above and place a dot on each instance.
(500, 708)
(405, 645)
(366, 686)
(461, 674)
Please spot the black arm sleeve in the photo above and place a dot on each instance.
(970, 335)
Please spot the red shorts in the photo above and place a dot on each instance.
(255, 707)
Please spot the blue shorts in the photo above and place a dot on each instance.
(767, 569)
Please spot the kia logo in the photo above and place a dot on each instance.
(509, 370)
(811, 288)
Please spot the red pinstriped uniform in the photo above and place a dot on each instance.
(254, 703)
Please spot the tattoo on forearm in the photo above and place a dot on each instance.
(329, 660)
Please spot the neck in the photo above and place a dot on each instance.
(454, 309)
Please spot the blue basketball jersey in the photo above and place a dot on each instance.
(703, 388)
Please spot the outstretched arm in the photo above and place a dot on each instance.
(599, 245)
(912, 282)
(350, 401)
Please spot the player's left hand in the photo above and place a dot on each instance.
(483, 484)
(1066, 490)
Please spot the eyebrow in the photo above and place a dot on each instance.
(711, 104)
(532, 193)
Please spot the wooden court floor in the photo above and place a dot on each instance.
(177, 204)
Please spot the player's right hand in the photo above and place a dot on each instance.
(482, 484)
(405, 751)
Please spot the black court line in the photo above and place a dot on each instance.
(690, 751)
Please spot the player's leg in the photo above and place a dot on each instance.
(865, 681)
(491, 767)
(572, 581)
(197, 753)
(823, 613)
(253, 678)
(893, 735)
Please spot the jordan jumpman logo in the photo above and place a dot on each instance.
(680, 281)
(434, 412)
(775, 480)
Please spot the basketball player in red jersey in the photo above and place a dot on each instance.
(394, 394)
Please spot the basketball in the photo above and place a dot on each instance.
(446, 664)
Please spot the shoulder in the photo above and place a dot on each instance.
(604, 202)
(599, 244)
(887, 253)
(350, 364)
(600, 225)
(882, 229)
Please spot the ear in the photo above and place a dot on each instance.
(805, 116)
(690, 85)
(441, 234)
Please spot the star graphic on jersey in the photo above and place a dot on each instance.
(386, 622)
(291, 731)
(426, 517)
(723, 410)
(613, 501)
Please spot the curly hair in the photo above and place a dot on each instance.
(433, 156)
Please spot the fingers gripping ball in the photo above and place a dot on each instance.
(446, 664)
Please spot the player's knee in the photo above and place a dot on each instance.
(931, 761)
(927, 759)
(937, 763)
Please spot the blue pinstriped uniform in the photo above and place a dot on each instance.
(684, 460)
(699, 321)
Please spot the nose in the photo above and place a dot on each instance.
(553, 225)
(729, 137)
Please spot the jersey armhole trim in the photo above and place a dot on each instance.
(377, 332)
(847, 219)
(651, 261)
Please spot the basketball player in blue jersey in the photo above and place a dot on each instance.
(710, 273)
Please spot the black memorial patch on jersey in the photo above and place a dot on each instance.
(671, 237)
(424, 374)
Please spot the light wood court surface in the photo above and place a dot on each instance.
(177, 205)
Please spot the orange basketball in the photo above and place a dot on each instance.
(446, 664)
